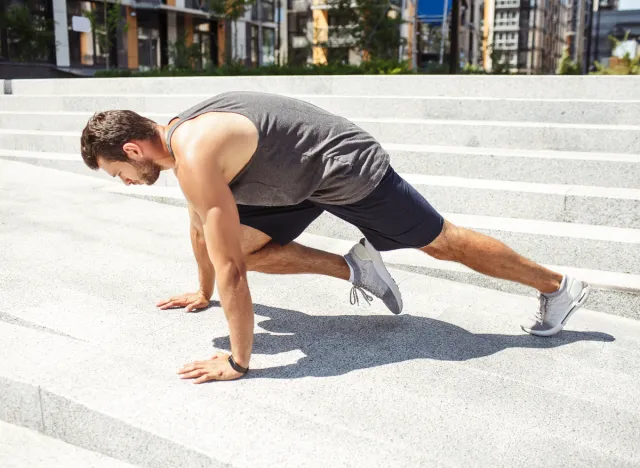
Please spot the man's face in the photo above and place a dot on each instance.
(132, 172)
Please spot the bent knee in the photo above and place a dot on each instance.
(447, 246)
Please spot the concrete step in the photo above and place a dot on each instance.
(90, 361)
(538, 87)
(540, 166)
(618, 207)
(612, 293)
(505, 135)
(26, 448)
(87, 358)
(517, 165)
(605, 112)
(572, 245)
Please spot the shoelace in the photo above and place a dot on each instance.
(354, 295)
(542, 308)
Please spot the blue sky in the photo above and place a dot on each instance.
(432, 7)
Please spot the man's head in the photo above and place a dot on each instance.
(123, 144)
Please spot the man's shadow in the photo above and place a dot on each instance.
(336, 345)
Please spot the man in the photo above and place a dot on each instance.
(257, 169)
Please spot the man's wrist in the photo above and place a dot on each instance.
(206, 294)
(237, 366)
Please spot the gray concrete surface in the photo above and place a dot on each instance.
(25, 448)
(87, 359)
(534, 87)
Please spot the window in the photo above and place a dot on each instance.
(267, 10)
(268, 46)
(252, 43)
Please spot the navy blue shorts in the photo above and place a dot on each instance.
(393, 216)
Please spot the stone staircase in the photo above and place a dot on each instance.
(549, 165)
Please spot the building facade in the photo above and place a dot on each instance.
(317, 34)
(151, 34)
(524, 36)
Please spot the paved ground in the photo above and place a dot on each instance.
(451, 382)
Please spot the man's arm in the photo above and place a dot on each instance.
(206, 273)
(202, 181)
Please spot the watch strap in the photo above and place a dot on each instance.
(237, 367)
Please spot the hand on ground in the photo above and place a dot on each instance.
(216, 368)
(191, 302)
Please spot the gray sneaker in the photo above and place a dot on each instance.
(370, 274)
(555, 309)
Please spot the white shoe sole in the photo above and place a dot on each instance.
(574, 308)
(381, 269)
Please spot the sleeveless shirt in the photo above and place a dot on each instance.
(303, 153)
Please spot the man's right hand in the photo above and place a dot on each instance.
(191, 302)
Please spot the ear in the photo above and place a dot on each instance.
(133, 151)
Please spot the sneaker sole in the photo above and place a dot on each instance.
(381, 269)
(576, 305)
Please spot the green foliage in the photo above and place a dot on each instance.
(228, 9)
(568, 66)
(184, 56)
(29, 35)
(370, 26)
(469, 69)
(499, 65)
(382, 67)
(626, 65)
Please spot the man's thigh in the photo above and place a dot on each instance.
(252, 239)
(282, 224)
(393, 216)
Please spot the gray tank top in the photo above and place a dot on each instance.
(304, 152)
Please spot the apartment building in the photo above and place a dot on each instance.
(312, 28)
(148, 31)
(525, 36)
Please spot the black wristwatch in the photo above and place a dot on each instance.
(237, 367)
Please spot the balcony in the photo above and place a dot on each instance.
(193, 4)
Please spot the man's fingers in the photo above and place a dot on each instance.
(193, 306)
(173, 303)
(206, 377)
(192, 374)
(191, 367)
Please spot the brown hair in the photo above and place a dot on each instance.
(107, 132)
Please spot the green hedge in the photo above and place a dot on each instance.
(366, 68)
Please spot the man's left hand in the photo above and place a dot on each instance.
(216, 368)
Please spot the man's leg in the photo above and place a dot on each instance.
(491, 257)
(265, 256)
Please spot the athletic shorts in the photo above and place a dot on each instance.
(393, 216)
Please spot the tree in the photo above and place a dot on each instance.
(184, 56)
(370, 26)
(112, 20)
(29, 35)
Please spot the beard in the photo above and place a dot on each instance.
(148, 171)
